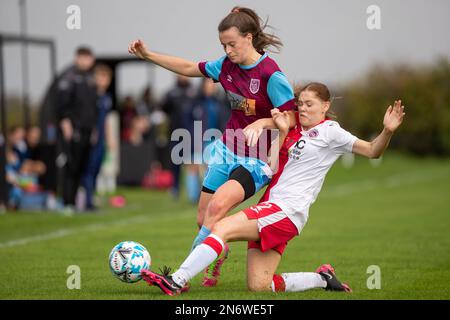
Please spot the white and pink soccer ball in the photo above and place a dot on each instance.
(127, 259)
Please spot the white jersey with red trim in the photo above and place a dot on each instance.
(305, 158)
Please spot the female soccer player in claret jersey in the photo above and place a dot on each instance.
(254, 85)
(308, 151)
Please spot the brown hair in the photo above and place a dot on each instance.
(103, 68)
(321, 92)
(247, 21)
(83, 50)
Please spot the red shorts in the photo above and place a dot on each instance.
(275, 228)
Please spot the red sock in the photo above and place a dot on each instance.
(278, 283)
(215, 243)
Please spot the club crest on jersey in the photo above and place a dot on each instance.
(254, 85)
(314, 133)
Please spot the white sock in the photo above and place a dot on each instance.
(201, 257)
(299, 281)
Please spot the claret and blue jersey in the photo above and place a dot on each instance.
(251, 90)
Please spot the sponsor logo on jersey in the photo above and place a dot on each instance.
(296, 151)
(238, 102)
(254, 85)
(313, 133)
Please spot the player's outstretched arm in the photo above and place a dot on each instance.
(392, 120)
(174, 64)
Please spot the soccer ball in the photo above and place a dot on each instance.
(127, 259)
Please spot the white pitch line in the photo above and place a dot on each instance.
(340, 190)
(72, 231)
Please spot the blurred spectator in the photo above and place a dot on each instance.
(159, 135)
(37, 151)
(147, 103)
(16, 139)
(157, 176)
(12, 179)
(139, 127)
(145, 108)
(127, 114)
(211, 107)
(212, 111)
(22, 173)
(77, 114)
(23, 161)
(135, 120)
(178, 105)
(107, 178)
(102, 76)
(33, 138)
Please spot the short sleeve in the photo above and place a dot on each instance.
(212, 69)
(339, 140)
(280, 92)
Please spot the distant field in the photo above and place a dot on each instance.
(395, 216)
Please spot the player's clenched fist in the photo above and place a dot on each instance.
(138, 48)
(281, 119)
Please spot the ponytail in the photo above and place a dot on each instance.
(247, 21)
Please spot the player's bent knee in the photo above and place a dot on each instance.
(258, 286)
(258, 281)
(216, 209)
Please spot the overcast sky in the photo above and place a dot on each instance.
(324, 40)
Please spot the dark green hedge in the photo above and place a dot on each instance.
(425, 92)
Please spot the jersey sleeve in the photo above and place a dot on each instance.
(280, 92)
(339, 140)
(212, 69)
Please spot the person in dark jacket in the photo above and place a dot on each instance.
(178, 105)
(103, 75)
(212, 111)
(77, 116)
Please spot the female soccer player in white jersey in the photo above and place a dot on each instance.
(254, 85)
(308, 151)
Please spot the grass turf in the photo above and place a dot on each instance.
(395, 216)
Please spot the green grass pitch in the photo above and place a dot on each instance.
(395, 216)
